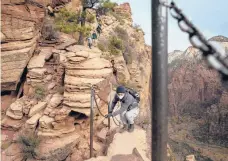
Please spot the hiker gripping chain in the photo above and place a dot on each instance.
(214, 57)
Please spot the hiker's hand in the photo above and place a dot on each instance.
(108, 115)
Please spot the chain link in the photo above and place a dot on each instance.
(214, 58)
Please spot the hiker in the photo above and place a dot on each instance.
(50, 10)
(129, 108)
(98, 17)
(94, 36)
(89, 42)
(99, 29)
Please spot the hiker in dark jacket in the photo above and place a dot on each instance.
(94, 37)
(99, 29)
(129, 108)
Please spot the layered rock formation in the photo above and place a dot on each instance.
(84, 68)
(54, 98)
(20, 29)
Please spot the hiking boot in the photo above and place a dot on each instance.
(124, 128)
(131, 128)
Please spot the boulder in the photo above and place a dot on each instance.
(58, 148)
(33, 120)
(38, 61)
(36, 73)
(17, 107)
(37, 108)
(45, 121)
(56, 100)
(10, 123)
(11, 114)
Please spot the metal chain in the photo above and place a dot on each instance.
(214, 58)
(114, 119)
(94, 96)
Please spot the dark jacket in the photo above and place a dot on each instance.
(128, 102)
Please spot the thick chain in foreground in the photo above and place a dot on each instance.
(214, 58)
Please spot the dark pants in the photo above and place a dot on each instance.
(90, 45)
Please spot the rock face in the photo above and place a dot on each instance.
(61, 148)
(124, 9)
(20, 30)
(134, 65)
(197, 94)
(84, 68)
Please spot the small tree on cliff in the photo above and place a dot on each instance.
(85, 5)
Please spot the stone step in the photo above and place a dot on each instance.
(90, 64)
(38, 61)
(80, 105)
(11, 114)
(77, 81)
(77, 97)
(102, 73)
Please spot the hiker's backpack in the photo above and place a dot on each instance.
(134, 94)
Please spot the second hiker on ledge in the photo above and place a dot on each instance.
(129, 107)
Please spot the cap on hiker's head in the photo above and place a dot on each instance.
(120, 89)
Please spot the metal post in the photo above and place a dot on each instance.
(109, 106)
(159, 82)
(91, 122)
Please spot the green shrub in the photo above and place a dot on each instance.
(101, 47)
(106, 6)
(90, 18)
(116, 42)
(115, 45)
(138, 28)
(29, 144)
(85, 30)
(67, 22)
(40, 92)
(118, 17)
(121, 33)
